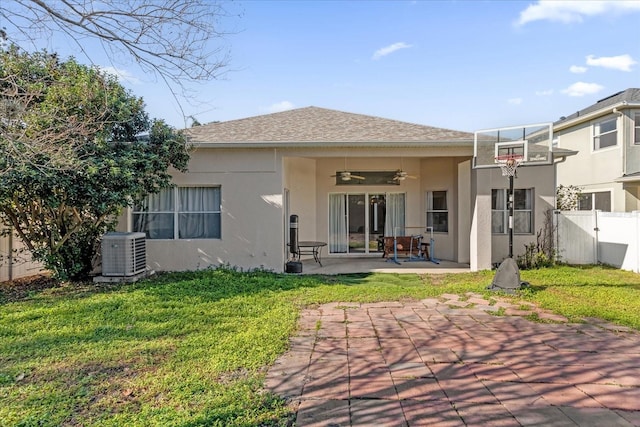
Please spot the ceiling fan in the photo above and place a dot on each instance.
(402, 175)
(347, 176)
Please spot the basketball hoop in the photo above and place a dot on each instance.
(509, 163)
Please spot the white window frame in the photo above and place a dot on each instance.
(431, 210)
(176, 211)
(592, 196)
(636, 128)
(598, 135)
(504, 211)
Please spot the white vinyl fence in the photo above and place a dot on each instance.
(591, 237)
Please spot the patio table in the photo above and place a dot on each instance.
(307, 247)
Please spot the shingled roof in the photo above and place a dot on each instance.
(631, 95)
(320, 125)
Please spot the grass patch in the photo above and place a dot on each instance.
(191, 349)
(501, 311)
(595, 291)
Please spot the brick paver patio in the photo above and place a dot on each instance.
(452, 362)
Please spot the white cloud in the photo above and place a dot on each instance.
(578, 69)
(546, 92)
(390, 49)
(582, 88)
(620, 62)
(122, 75)
(515, 101)
(574, 11)
(279, 106)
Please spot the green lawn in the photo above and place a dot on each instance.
(192, 349)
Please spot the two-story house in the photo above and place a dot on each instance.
(606, 136)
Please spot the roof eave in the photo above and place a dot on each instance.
(563, 154)
(628, 179)
(590, 116)
(332, 144)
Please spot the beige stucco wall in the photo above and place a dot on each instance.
(632, 163)
(255, 224)
(540, 178)
(441, 174)
(594, 171)
(632, 197)
(632, 160)
(464, 212)
(251, 188)
(300, 179)
(480, 250)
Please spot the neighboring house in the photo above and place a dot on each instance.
(606, 136)
(246, 177)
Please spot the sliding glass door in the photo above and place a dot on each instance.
(357, 222)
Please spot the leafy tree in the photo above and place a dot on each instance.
(71, 158)
(568, 197)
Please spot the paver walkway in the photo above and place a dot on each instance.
(450, 362)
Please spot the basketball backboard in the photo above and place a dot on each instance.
(532, 143)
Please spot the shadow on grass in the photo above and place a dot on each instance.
(226, 283)
(214, 284)
(102, 346)
(103, 336)
(26, 288)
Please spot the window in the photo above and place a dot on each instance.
(595, 201)
(523, 211)
(437, 213)
(605, 134)
(636, 129)
(180, 213)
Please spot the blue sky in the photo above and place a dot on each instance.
(463, 65)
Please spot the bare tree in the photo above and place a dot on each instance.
(171, 38)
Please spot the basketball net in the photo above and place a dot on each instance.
(509, 163)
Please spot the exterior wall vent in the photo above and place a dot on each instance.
(123, 254)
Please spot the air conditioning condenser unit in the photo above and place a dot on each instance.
(123, 254)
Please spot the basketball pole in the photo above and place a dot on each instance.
(511, 214)
(510, 147)
(507, 277)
